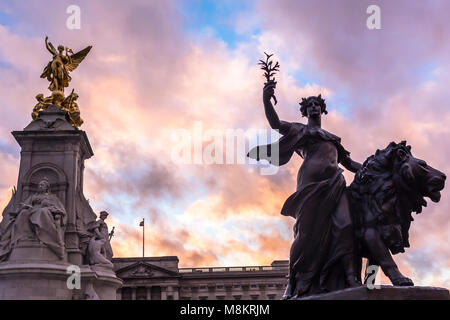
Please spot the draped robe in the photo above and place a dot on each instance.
(322, 234)
(37, 222)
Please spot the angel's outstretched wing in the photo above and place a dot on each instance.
(77, 58)
(47, 72)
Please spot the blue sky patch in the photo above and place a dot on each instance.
(206, 17)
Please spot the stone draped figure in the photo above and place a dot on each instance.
(41, 217)
(322, 256)
(99, 250)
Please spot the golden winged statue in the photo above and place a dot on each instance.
(57, 70)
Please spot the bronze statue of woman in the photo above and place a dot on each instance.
(322, 256)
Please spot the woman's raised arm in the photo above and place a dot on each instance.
(271, 115)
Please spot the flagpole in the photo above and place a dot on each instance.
(143, 239)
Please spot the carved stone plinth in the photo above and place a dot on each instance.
(38, 280)
(385, 293)
(51, 172)
(52, 148)
(32, 250)
(31, 280)
(105, 283)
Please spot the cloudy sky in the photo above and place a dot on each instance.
(158, 68)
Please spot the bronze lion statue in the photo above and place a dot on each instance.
(389, 187)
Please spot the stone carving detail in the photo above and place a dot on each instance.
(43, 103)
(70, 105)
(40, 217)
(99, 248)
(142, 271)
(44, 173)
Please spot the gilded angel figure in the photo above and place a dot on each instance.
(57, 70)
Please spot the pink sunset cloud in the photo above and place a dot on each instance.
(146, 78)
(392, 97)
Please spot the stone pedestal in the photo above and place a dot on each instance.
(32, 280)
(385, 293)
(105, 283)
(53, 149)
(38, 280)
(32, 250)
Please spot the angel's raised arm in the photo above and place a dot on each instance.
(49, 46)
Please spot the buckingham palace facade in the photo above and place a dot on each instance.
(160, 278)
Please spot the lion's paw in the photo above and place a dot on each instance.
(403, 281)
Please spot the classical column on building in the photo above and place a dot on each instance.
(163, 293)
(211, 291)
(176, 292)
(228, 290)
(194, 292)
(245, 291)
(148, 293)
(133, 293)
(262, 289)
(172, 291)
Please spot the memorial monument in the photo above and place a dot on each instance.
(49, 231)
(336, 226)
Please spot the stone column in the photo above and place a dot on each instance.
(245, 291)
(194, 293)
(163, 293)
(176, 293)
(228, 289)
(148, 293)
(211, 291)
(119, 294)
(133, 293)
(262, 289)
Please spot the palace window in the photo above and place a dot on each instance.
(126, 293)
(155, 293)
(141, 293)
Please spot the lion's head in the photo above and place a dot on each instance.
(391, 185)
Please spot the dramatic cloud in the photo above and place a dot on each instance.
(395, 87)
(148, 76)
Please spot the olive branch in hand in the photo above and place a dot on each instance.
(270, 70)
